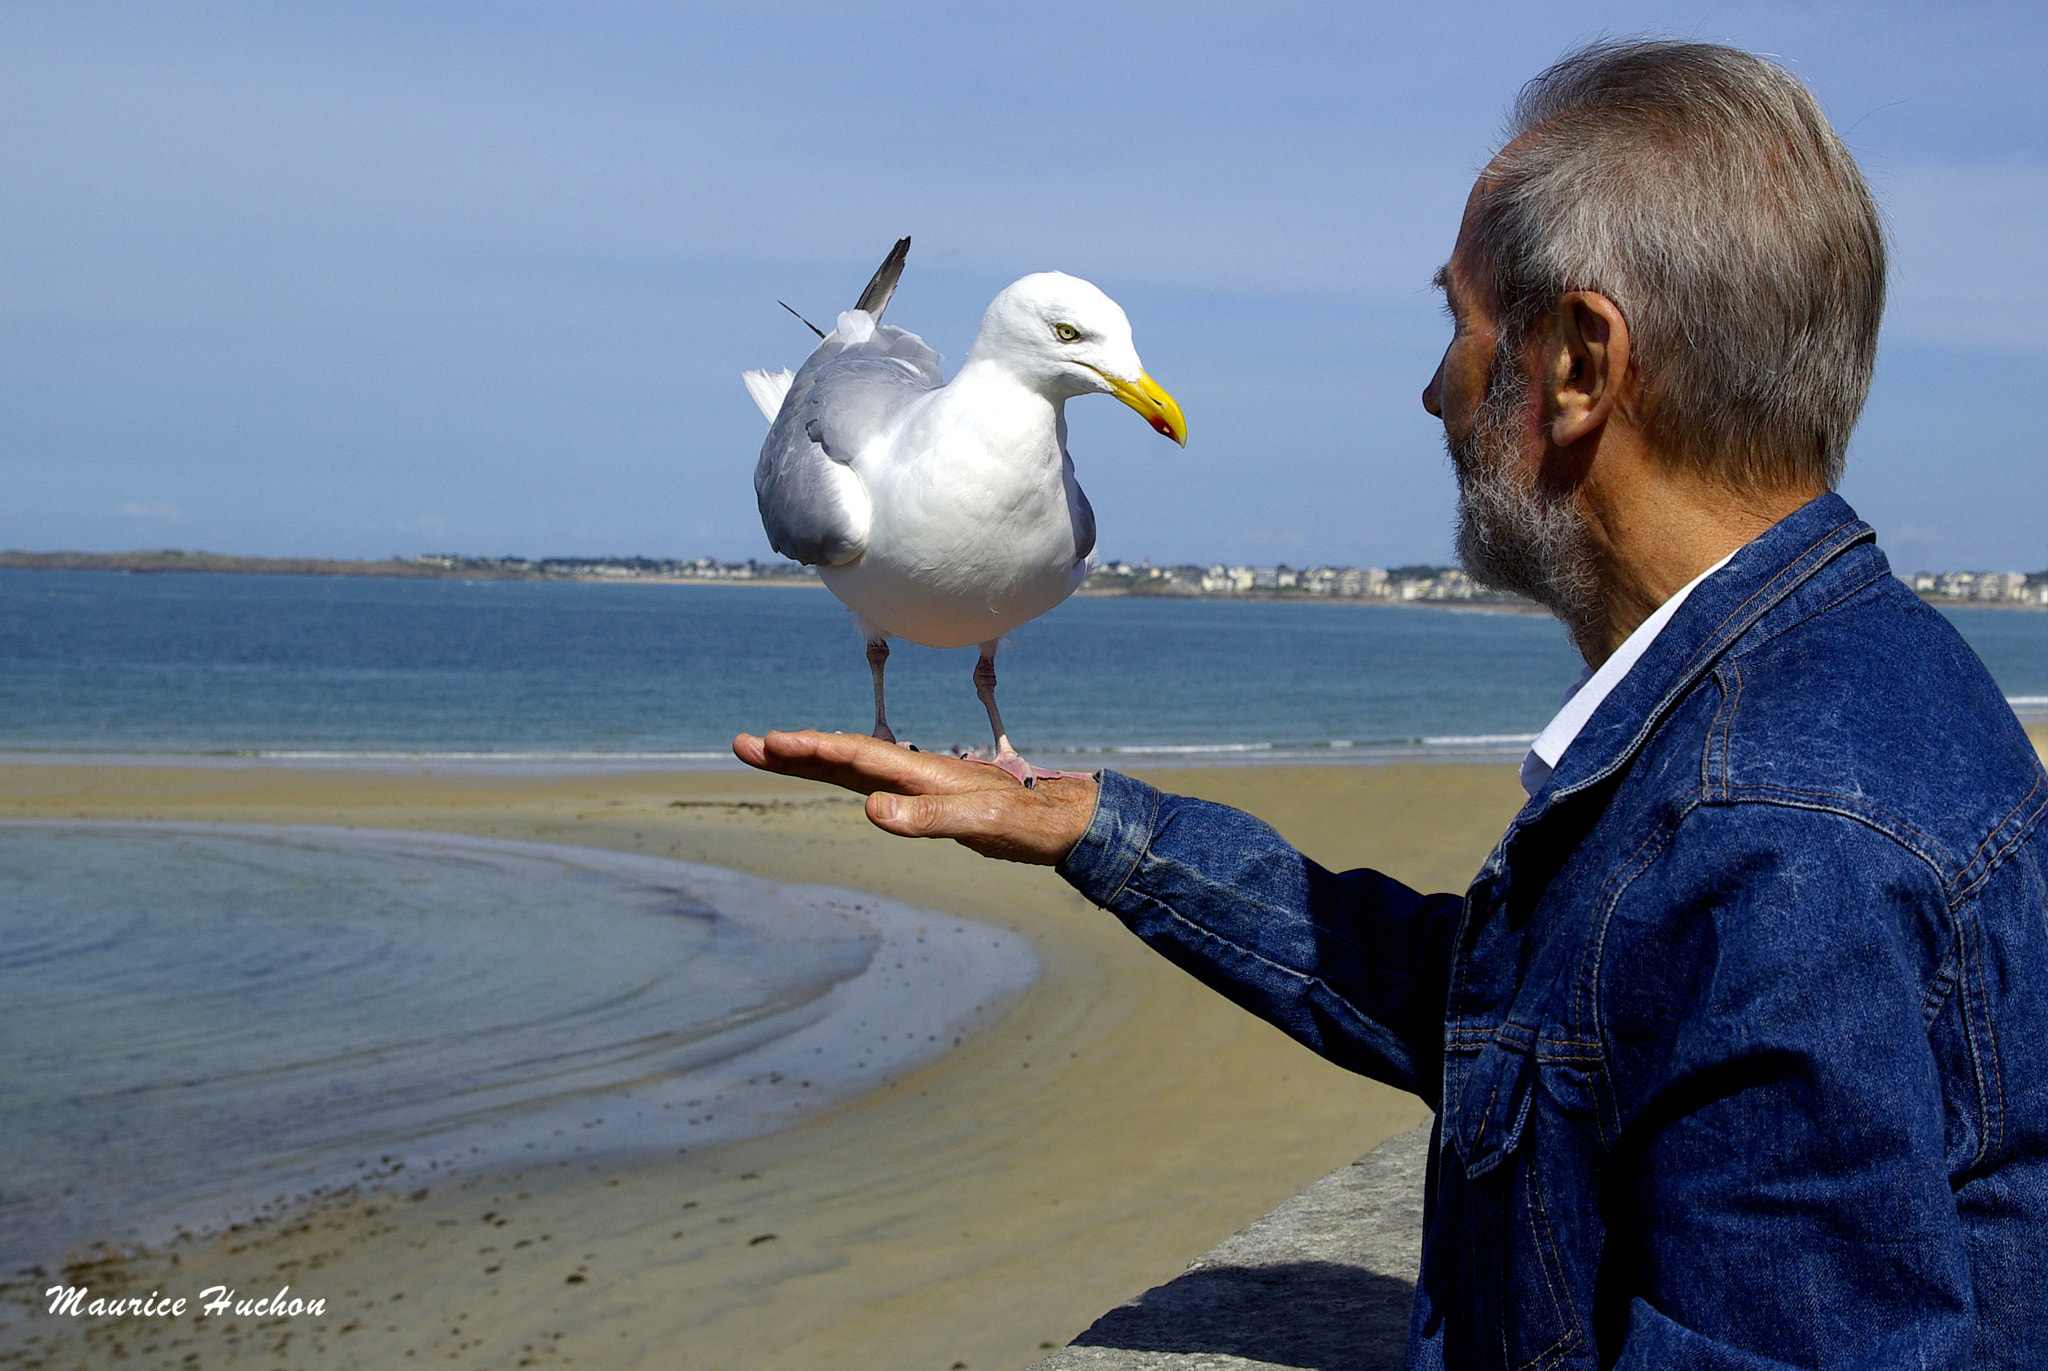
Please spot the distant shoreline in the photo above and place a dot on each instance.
(783, 576)
(1490, 605)
(787, 575)
(402, 568)
(149, 563)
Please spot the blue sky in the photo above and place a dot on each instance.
(376, 279)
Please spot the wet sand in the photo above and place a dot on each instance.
(1121, 1120)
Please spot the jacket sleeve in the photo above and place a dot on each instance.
(1354, 965)
(1779, 1187)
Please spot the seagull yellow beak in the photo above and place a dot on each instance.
(1155, 404)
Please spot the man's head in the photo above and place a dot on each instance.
(1683, 216)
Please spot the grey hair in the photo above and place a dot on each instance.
(1702, 190)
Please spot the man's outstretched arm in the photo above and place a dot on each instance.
(1351, 964)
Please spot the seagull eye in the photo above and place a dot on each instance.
(1066, 333)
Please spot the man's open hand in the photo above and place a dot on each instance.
(927, 795)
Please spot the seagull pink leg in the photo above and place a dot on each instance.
(1006, 756)
(878, 656)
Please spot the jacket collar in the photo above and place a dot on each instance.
(1724, 607)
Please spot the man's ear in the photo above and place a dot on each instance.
(1586, 366)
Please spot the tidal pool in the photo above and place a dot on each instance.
(204, 1022)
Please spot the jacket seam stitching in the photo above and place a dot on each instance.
(1455, 972)
(1795, 570)
(1478, 1143)
(1997, 1074)
(1728, 730)
(1993, 1080)
(1979, 1069)
(1707, 736)
(1877, 820)
(1712, 730)
(1552, 1271)
(1843, 596)
(1139, 846)
(1997, 859)
(1625, 876)
(1942, 983)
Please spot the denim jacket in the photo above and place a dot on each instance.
(1738, 1043)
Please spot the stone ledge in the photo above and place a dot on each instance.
(1323, 1283)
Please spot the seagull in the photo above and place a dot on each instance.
(946, 513)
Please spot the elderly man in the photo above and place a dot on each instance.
(1738, 1043)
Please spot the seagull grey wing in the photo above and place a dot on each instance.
(815, 510)
(859, 400)
(1081, 514)
(848, 396)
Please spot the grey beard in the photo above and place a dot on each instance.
(1511, 535)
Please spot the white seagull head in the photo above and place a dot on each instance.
(1063, 337)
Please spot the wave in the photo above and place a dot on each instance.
(472, 755)
(1354, 750)
(1177, 749)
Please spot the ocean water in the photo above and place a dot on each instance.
(348, 667)
(205, 1023)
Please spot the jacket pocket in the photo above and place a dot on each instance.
(1490, 1108)
(1514, 1308)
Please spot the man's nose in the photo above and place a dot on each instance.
(1433, 393)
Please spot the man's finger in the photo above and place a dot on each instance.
(1018, 825)
(861, 763)
(975, 815)
(910, 816)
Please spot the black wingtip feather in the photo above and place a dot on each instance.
(805, 322)
(875, 298)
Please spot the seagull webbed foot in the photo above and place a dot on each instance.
(1011, 761)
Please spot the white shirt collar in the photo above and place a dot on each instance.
(1593, 687)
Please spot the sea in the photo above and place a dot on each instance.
(347, 669)
(206, 1024)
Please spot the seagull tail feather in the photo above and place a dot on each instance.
(875, 298)
(768, 389)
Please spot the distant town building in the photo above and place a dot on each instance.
(1280, 581)
(622, 568)
(1986, 587)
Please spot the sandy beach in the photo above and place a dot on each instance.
(1120, 1120)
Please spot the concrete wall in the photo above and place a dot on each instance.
(1322, 1283)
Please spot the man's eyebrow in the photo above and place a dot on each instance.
(1442, 281)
